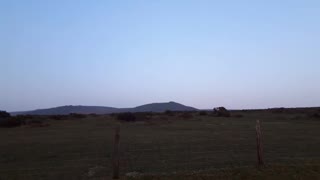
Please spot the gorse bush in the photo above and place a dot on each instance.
(77, 116)
(203, 113)
(277, 110)
(11, 122)
(186, 115)
(58, 117)
(169, 113)
(4, 114)
(314, 115)
(37, 123)
(221, 112)
(129, 117)
(24, 117)
(143, 116)
(93, 115)
(7, 121)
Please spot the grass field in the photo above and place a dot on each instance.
(165, 147)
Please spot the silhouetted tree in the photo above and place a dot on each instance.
(221, 112)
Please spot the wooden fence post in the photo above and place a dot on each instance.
(116, 154)
(259, 145)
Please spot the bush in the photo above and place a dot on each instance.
(277, 110)
(186, 115)
(129, 117)
(314, 115)
(203, 113)
(78, 116)
(4, 114)
(93, 115)
(221, 112)
(11, 122)
(37, 123)
(58, 117)
(34, 122)
(169, 113)
(143, 116)
(24, 117)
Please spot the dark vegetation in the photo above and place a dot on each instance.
(278, 110)
(6, 120)
(169, 113)
(9, 122)
(129, 117)
(58, 117)
(315, 115)
(186, 115)
(221, 112)
(78, 116)
(203, 113)
(4, 114)
(132, 117)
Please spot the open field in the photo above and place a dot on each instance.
(166, 147)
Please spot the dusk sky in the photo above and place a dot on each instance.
(125, 53)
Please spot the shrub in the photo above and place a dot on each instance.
(169, 113)
(143, 116)
(277, 110)
(93, 115)
(221, 112)
(24, 117)
(129, 117)
(37, 123)
(77, 116)
(315, 115)
(4, 114)
(10, 122)
(203, 113)
(57, 117)
(186, 115)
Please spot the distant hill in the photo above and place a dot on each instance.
(161, 107)
(63, 110)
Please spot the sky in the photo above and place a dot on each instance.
(125, 53)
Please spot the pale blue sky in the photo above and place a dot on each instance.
(202, 53)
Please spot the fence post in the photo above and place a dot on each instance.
(259, 144)
(116, 154)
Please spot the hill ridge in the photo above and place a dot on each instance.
(81, 109)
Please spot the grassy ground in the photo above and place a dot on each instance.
(275, 172)
(166, 147)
